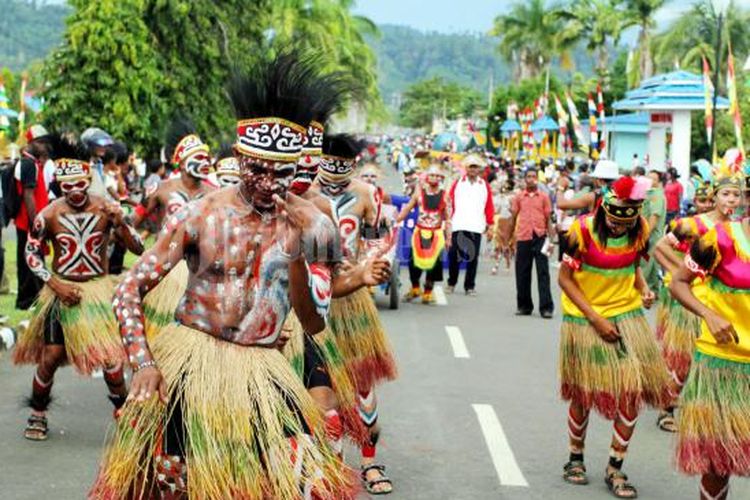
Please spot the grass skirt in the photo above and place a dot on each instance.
(92, 338)
(160, 304)
(343, 387)
(714, 426)
(604, 376)
(677, 328)
(240, 405)
(354, 327)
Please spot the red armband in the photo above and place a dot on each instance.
(694, 267)
(571, 262)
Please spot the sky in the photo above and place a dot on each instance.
(452, 16)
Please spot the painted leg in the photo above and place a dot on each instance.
(114, 377)
(624, 426)
(326, 400)
(574, 471)
(373, 474)
(714, 487)
(171, 477)
(41, 390)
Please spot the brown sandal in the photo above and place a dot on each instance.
(36, 428)
(574, 472)
(666, 422)
(621, 489)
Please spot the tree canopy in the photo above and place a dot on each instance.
(437, 97)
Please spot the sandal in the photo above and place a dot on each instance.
(36, 428)
(370, 484)
(574, 472)
(617, 482)
(666, 422)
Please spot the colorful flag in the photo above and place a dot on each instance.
(708, 92)
(577, 128)
(602, 121)
(4, 122)
(22, 106)
(734, 105)
(594, 136)
(562, 122)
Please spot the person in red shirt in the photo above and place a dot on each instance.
(532, 228)
(673, 193)
(29, 175)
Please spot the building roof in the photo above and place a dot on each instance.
(630, 122)
(544, 123)
(510, 126)
(675, 91)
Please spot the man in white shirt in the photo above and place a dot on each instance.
(473, 212)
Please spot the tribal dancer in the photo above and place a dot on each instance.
(714, 424)
(609, 360)
(354, 324)
(227, 167)
(72, 319)
(431, 235)
(677, 328)
(192, 156)
(215, 411)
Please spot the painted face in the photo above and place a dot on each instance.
(410, 184)
(618, 228)
(333, 189)
(226, 180)
(262, 179)
(434, 179)
(307, 170)
(369, 176)
(75, 191)
(727, 200)
(198, 165)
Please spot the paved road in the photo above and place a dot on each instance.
(433, 441)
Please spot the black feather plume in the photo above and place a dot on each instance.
(67, 145)
(225, 151)
(179, 127)
(342, 145)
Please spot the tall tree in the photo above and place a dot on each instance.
(530, 37)
(644, 12)
(107, 73)
(694, 34)
(599, 23)
(436, 97)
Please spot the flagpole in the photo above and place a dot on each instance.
(716, 82)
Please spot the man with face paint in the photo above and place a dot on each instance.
(254, 252)
(432, 234)
(192, 157)
(316, 358)
(227, 168)
(677, 328)
(355, 326)
(71, 320)
(609, 358)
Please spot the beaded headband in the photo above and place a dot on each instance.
(271, 138)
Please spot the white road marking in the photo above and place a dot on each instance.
(439, 294)
(457, 342)
(97, 374)
(502, 456)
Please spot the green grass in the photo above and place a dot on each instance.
(8, 302)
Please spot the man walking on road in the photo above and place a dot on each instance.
(473, 214)
(532, 225)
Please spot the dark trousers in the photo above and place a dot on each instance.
(464, 245)
(433, 276)
(528, 252)
(117, 258)
(28, 284)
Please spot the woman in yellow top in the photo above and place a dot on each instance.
(609, 360)
(714, 428)
(677, 328)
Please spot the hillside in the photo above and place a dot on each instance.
(28, 30)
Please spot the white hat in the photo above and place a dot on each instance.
(606, 169)
(473, 160)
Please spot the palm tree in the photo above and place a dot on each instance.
(599, 22)
(644, 12)
(530, 37)
(694, 33)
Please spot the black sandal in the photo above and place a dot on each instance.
(36, 428)
(666, 422)
(574, 472)
(370, 484)
(623, 489)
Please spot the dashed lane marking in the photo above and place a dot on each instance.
(457, 342)
(502, 456)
